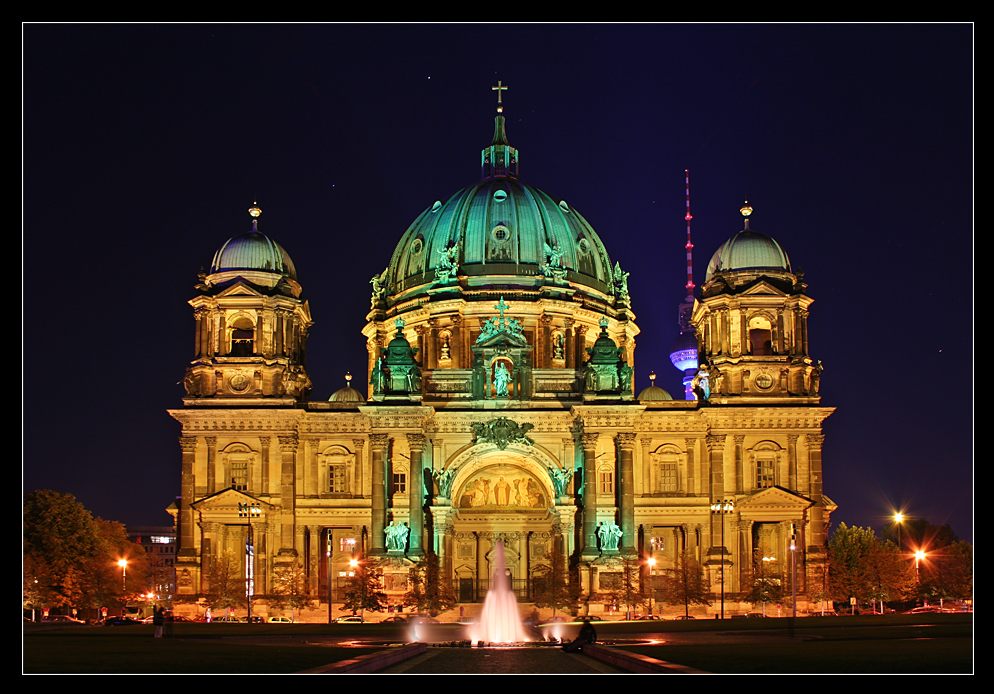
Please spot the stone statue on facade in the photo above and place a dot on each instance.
(610, 535)
(443, 478)
(377, 378)
(396, 536)
(560, 479)
(621, 282)
(553, 265)
(501, 379)
(379, 283)
(448, 265)
(558, 346)
(625, 377)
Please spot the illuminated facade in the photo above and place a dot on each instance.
(499, 403)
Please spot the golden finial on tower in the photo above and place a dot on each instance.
(255, 211)
(348, 378)
(499, 89)
(746, 209)
(652, 377)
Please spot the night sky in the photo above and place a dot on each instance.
(143, 145)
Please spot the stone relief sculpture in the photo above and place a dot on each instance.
(448, 265)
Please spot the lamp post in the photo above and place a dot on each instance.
(123, 563)
(651, 561)
(793, 572)
(722, 507)
(919, 555)
(249, 511)
(354, 565)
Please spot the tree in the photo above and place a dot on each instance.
(364, 589)
(289, 588)
(629, 591)
(947, 573)
(225, 586)
(848, 550)
(889, 575)
(551, 584)
(686, 584)
(428, 591)
(766, 588)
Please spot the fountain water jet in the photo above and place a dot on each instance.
(500, 621)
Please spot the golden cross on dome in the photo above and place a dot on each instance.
(499, 88)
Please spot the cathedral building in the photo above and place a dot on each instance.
(498, 404)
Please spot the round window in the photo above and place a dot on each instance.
(416, 247)
(584, 246)
(436, 207)
(500, 195)
(501, 233)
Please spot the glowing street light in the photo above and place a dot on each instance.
(919, 556)
(123, 563)
(899, 521)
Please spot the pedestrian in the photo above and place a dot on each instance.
(158, 619)
(207, 615)
(587, 636)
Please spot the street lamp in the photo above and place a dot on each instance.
(919, 556)
(793, 571)
(249, 511)
(354, 565)
(899, 521)
(723, 507)
(123, 563)
(328, 551)
(651, 561)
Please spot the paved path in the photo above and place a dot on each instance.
(500, 661)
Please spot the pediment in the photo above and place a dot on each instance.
(774, 498)
(228, 500)
(240, 288)
(762, 288)
(503, 339)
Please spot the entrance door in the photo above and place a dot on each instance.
(466, 590)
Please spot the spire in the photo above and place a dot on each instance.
(500, 158)
(690, 245)
(745, 211)
(255, 212)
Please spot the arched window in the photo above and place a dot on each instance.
(238, 460)
(766, 457)
(605, 480)
(336, 463)
(242, 338)
(760, 336)
(666, 469)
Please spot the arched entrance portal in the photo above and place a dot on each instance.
(501, 496)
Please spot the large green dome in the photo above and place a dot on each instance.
(500, 229)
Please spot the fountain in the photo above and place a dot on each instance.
(500, 621)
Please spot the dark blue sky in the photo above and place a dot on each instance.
(144, 145)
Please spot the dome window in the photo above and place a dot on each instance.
(563, 206)
(584, 246)
(242, 338)
(501, 233)
(416, 247)
(500, 195)
(436, 207)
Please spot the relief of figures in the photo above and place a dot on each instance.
(502, 489)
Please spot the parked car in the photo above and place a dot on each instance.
(397, 618)
(62, 619)
(225, 619)
(279, 620)
(644, 617)
(350, 619)
(254, 619)
(120, 622)
(685, 616)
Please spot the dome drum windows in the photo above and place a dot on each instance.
(760, 336)
(241, 337)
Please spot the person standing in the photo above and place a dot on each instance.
(158, 620)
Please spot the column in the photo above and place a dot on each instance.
(739, 439)
(690, 487)
(545, 358)
(257, 343)
(716, 456)
(288, 454)
(378, 450)
(455, 344)
(815, 443)
(626, 472)
(745, 344)
(279, 333)
(208, 552)
(570, 345)
(804, 332)
(745, 558)
(313, 468)
(188, 453)
(792, 461)
(222, 343)
(422, 354)
(726, 338)
(264, 442)
(431, 359)
(357, 490)
(647, 481)
(779, 333)
(300, 540)
(198, 333)
(415, 487)
(211, 464)
(589, 492)
(581, 344)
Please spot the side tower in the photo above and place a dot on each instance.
(251, 326)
